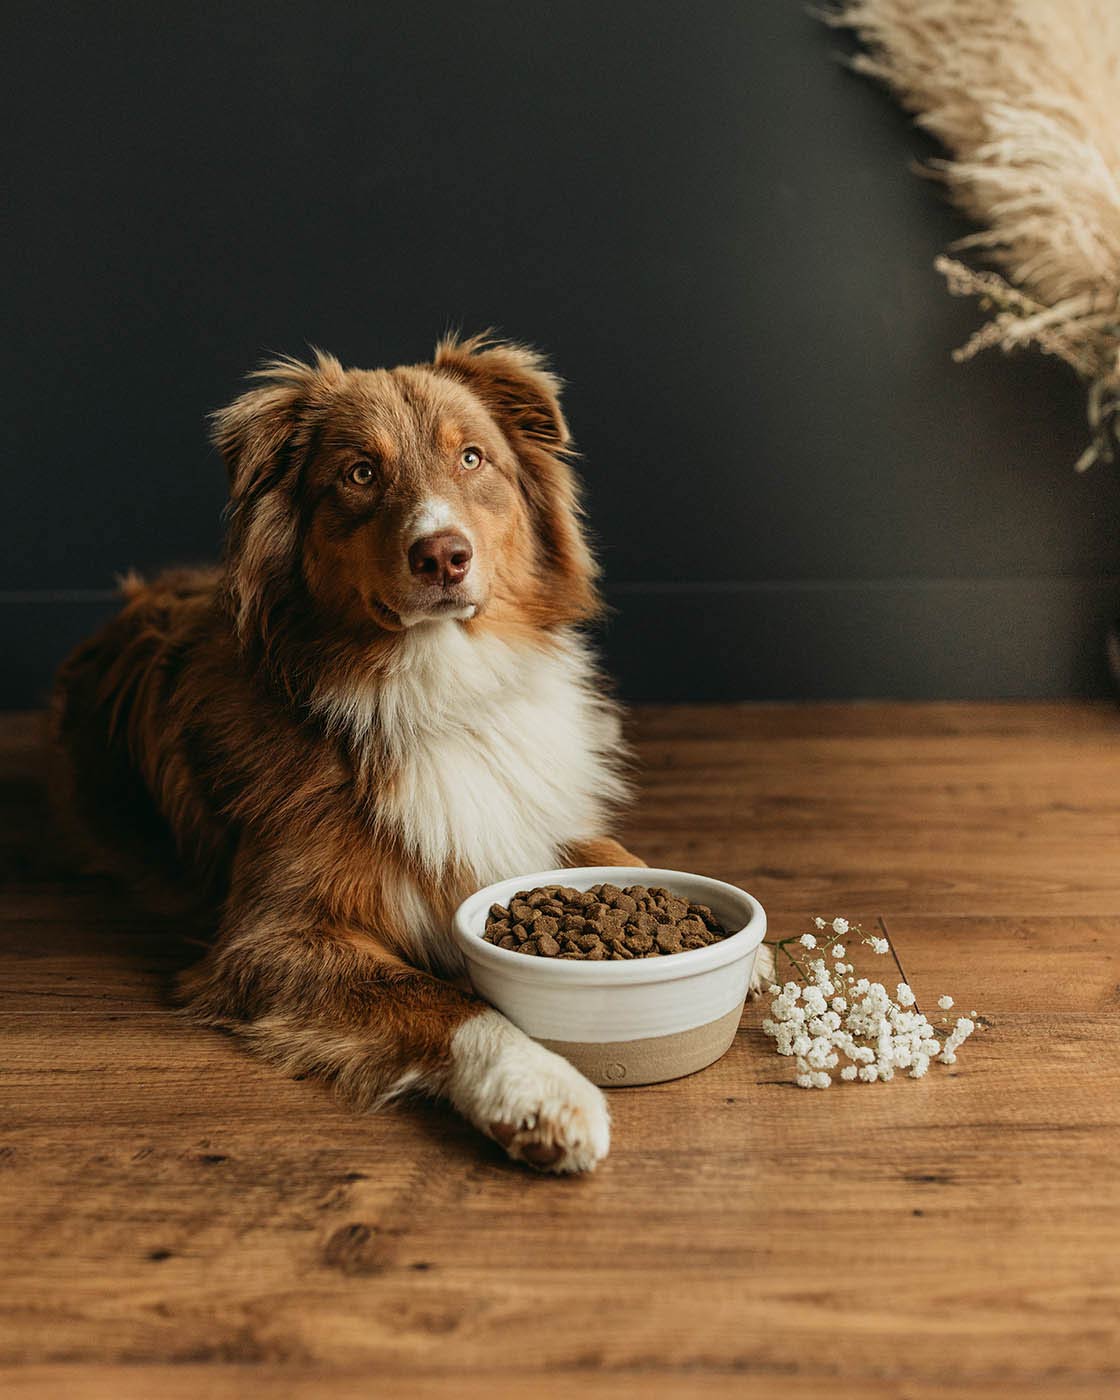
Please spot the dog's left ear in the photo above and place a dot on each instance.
(515, 384)
(523, 395)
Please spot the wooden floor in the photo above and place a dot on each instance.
(179, 1221)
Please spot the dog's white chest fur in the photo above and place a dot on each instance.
(497, 755)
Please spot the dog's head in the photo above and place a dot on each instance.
(380, 500)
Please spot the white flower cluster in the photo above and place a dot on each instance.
(836, 1015)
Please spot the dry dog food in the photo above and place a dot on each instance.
(604, 922)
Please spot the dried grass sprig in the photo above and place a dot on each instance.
(1025, 97)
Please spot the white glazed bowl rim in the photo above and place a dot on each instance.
(470, 921)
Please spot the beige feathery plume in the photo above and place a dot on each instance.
(1025, 97)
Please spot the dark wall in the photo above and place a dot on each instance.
(710, 225)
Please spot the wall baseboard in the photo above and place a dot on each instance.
(783, 640)
(907, 639)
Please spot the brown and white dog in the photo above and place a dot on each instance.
(380, 703)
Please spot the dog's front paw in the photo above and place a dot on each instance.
(533, 1102)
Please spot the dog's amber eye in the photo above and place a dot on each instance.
(470, 459)
(361, 474)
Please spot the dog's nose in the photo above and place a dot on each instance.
(443, 558)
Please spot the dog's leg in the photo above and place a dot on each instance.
(333, 1002)
(598, 850)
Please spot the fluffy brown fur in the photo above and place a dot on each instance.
(197, 743)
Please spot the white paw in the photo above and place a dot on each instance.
(763, 972)
(538, 1106)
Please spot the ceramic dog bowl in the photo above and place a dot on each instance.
(625, 1022)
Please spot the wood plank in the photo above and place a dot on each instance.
(176, 1217)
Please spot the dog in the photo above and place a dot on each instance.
(380, 702)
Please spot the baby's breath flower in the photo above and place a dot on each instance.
(814, 1001)
(877, 1034)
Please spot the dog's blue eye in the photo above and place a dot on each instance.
(470, 459)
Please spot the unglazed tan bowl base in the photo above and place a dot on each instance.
(619, 1062)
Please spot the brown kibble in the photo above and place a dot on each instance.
(602, 923)
(669, 938)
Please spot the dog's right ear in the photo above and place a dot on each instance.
(262, 436)
(255, 432)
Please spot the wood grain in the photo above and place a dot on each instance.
(177, 1220)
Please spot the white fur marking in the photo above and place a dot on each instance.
(499, 755)
(431, 515)
(463, 614)
(501, 1077)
